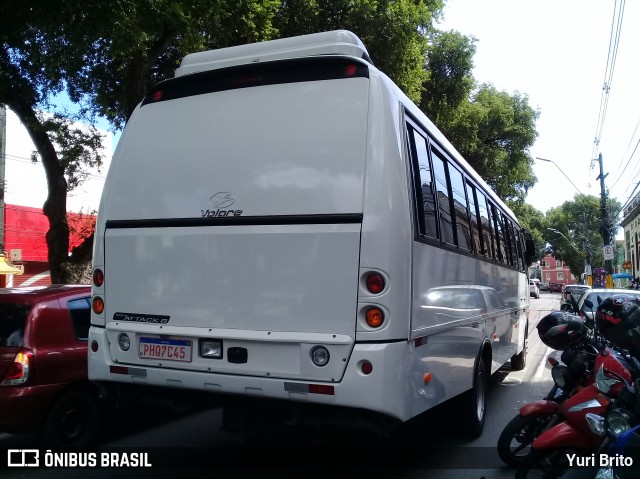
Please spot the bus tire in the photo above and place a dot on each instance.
(473, 404)
(519, 361)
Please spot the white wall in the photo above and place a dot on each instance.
(25, 182)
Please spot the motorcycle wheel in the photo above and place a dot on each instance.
(514, 443)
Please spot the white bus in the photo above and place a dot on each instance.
(282, 226)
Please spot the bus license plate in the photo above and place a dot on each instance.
(165, 349)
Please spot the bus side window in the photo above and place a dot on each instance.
(519, 250)
(424, 191)
(499, 235)
(513, 255)
(458, 195)
(442, 190)
(487, 229)
(475, 218)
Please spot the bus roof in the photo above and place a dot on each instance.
(337, 42)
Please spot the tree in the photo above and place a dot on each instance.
(493, 131)
(574, 234)
(36, 56)
(449, 80)
(394, 31)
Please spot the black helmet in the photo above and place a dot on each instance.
(560, 330)
(618, 320)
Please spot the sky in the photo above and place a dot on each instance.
(561, 53)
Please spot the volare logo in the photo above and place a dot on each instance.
(23, 458)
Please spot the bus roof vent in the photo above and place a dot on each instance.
(337, 42)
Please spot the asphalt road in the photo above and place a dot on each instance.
(433, 452)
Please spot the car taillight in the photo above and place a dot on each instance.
(18, 371)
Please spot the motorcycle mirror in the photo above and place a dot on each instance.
(596, 423)
(604, 382)
(588, 303)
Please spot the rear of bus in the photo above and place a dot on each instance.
(228, 251)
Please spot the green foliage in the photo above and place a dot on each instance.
(579, 240)
(392, 30)
(449, 83)
(494, 131)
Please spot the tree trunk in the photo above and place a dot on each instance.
(55, 206)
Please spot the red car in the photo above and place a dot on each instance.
(44, 387)
(555, 287)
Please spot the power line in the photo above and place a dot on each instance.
(614, 41)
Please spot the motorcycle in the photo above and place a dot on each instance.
(574, 437)
(571, 374)
(618, 457)
(574, 372)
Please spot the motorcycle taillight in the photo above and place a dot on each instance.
(18, 371)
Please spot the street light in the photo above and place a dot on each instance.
(565, 175)
(568, 240)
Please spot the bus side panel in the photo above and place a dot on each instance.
(386, 224)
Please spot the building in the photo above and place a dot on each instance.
(23, 224)
(631, 226)
(555, 271)
(25, 230)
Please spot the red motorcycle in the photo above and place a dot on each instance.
(556, 447)
(560, 331)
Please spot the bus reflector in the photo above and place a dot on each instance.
(119, 370)
(321, 389)
(366, 367)
(302, 388)
(138, 372)
(427, 378)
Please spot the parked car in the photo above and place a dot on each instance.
(555, 287)
(533, 289)
(543, 286)
(591, 299)
(572, 291)
(44, 386)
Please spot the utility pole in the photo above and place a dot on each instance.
(587, 253)
(604, 228)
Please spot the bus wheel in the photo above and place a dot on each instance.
(473, 405)
(519, 361)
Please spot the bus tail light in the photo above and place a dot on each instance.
(97, 304)
(98, 277)
(375, 317)
(375, 283)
